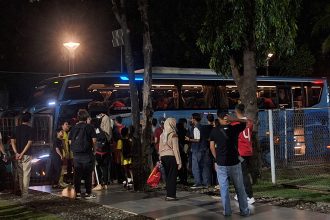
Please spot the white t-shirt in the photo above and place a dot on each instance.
(197, 134)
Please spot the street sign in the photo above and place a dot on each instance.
(117, 38)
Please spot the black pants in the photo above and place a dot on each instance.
(55, 169)
(183, 172)
(246, 179)
(102, 167)
(83, 167)
(171, 171)
(3, 175)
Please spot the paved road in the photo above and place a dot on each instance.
(190, 206)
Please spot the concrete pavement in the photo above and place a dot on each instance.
(190, 205)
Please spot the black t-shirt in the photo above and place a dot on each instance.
(226, 140)
(23, 133)
(90, 132)
(58, 144)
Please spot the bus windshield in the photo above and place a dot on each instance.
(46, 92)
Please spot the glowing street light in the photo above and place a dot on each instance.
(269, 55)
(71, 46)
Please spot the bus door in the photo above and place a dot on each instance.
(42, 125)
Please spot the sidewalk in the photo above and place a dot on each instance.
(189, 206)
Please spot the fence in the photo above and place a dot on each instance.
(40, 148)
(296, 144)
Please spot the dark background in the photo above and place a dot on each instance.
(32, 34)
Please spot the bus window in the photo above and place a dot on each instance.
(46, 91)
(233, 96)
(193, 97)
(266, 97)
(313, 94)
(298, 97)
(284, 97)
(74, 90)
(164, 96)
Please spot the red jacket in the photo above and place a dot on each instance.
(245, 140)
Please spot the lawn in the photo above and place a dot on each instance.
(14, 210)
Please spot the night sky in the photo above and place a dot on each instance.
(32, 37)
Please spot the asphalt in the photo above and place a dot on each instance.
(190, 206)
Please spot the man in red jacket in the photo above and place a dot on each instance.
(245, 151)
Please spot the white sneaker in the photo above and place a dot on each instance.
(251, 200)
(235, 197)
(217, 187)
(97, 188)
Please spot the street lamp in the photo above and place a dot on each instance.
(71, 46)
(269, 55)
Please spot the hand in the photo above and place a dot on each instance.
(187, 138)
(179, 166)
(20, 156)
(17, 156)
(61, 157)
(4, 159)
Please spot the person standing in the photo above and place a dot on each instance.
(182, 133)
(67, 155)
(83, 145)
(228, 165)
(170, 157)
(3, 160)
(198, 150)
(245, 151)
(56, 160)
(21, 142)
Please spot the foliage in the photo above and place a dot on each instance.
(231, 26)
(300, 63)
(322, 26)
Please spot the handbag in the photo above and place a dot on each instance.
(154, 177)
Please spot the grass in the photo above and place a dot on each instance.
(267, 189)
(12, 210)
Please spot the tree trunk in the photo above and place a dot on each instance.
(147, 110)
(138, 171)
(247, 87)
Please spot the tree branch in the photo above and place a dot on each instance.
(234, 69)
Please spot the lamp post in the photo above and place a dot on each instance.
(269, 55)
(71, 46)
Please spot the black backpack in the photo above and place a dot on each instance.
(127, 148)
(80, 142)
(102, 143)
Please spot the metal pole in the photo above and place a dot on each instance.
(121, 59)
(267, 64)
(285, 139)
(73, 60)
(271, 145)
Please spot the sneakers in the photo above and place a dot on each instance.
(195, 186)
(251, 200)
(78, 195)
(98, 188)
(217, 187)
(90, 196)
(170, 198)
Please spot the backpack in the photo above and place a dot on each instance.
(102, 143)
(127, 148)
(80, 142)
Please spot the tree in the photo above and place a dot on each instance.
(147, 110)
(139, 171)
(323, 26)
(239, 34)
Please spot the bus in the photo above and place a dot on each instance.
(176, 92)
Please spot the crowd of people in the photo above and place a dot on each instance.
(99, 151)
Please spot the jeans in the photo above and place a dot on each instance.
(83, 167)
(201, 167)
(235, 174)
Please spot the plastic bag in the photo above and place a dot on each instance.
(154, 177)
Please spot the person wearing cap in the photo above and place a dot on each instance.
(228, 164)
